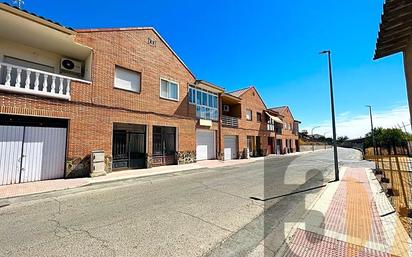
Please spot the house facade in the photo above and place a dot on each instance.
(65, 93)
(288, 140)
(249, 128)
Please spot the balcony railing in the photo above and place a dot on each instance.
(19, 79)
(230, 121)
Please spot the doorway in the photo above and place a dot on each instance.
(129, 146)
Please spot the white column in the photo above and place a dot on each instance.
(45, 83)
(36, 82)
(53, 85)
(27, 85)
(61, 86)
(8, 76)
(18, 78)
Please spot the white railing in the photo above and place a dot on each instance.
(35, 82)
(230, 121)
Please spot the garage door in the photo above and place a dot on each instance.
(205, 145)
(230, 150)
(31, 154)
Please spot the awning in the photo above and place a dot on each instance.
(395, 28)
(274, 118)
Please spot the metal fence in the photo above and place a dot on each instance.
(394, 171)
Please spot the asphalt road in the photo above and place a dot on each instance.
(209, 212)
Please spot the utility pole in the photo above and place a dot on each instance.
(372, 130)
(332, 107)
(326, 141)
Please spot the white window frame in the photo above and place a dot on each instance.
(169, 81)
(251, 114)
(131, 71)
(207, 100)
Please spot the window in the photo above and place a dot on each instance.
(206, 103)
(248, 114)
(169, 90)
(259, 117)
(126, 79)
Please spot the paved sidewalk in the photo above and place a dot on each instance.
(16, 190)
(351, 218)
(23, 189)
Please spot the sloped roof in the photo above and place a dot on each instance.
(33, 16)
(240, 92)
(395, 28)
(138, 28)
(282, 109)
(279, 109)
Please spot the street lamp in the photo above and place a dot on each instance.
(372, 130)
(313, 147)
(324, 136)
(332, 105)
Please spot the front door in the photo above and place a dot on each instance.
(270, 145)
(278, 146)
(250, 145)
(129, 146)
(137, 150)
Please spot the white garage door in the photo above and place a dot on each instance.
(31, 154)
(230, 150)
(205, 145)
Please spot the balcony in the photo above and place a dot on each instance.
(17, 79)
(230, 121)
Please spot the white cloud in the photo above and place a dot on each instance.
(355, 126)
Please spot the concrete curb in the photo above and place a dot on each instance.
(96, 181)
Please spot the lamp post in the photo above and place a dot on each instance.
(324, 136)
(372, 130)
(332, 106)
(313, 147)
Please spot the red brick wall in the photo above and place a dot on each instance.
(129, 49)
(287, 134)
(250, 100)
(95, 107)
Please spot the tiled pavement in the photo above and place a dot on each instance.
(40, 187)
(16, 190)
(358, 220)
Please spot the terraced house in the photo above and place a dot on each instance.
(249, 128)
(123, 92)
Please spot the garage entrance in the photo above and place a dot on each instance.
(31, 149)
(230, 147)
(205, 145)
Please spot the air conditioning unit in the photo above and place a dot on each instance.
(226, 108)
(71, 66)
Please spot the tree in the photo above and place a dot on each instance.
(388, 138)
(340, 140)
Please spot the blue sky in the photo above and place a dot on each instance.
(273, 45)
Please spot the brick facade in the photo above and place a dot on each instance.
(96, 106)
(289, 136)
(251, 100)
